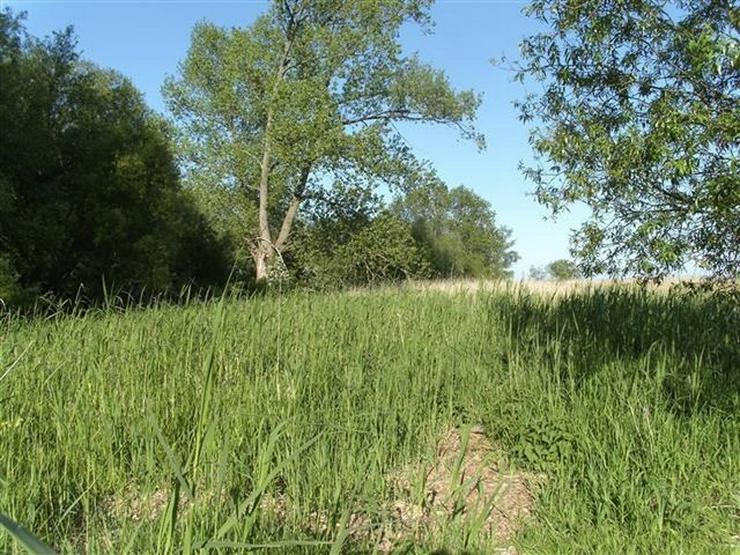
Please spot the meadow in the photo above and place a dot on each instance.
(595, 420)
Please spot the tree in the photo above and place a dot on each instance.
(88, 185)
(456, 230)
(537, 273)
(307, 95)
(561, 270)
(638, 118)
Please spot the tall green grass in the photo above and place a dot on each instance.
(169, 429)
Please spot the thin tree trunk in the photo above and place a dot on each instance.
(263, 250)
(264, 225)
(263, 247)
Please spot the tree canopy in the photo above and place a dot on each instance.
(563, 269)
(638, 117)
(456, 231)
(88, 186)
(274, 113)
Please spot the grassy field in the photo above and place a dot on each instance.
(605, 421)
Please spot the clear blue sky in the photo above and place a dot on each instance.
(145, 40)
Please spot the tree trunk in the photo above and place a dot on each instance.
(261, 258)
(263, 250)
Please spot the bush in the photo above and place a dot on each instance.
(456, 231)
(381, 250)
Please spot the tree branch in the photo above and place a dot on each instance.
(266, 164)
(290, 214)
(388, 114)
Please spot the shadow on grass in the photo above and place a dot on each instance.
(692, 342)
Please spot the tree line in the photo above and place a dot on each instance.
(96, 188)
(282, 162)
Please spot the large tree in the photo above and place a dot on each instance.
(639, 118)
(308, 94)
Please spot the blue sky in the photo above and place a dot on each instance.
(146, 39)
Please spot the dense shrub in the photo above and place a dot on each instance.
(89, 189)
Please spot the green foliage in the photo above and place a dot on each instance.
(382, 251)
(349, 239)
(639, 119)
(88, 187)
(543, 444)
(226, 213)
(562, 269)
(456, 231)
(9, 288)
(307, 95)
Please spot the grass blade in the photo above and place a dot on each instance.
(26, 538)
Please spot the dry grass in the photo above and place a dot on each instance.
(136, 506)
(545, 288)
(474, 286)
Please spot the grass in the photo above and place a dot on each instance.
(170, 429)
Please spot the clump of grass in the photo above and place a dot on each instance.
(627, 401)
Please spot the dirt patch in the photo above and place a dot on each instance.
(464, 483)
(467, 482)
(131, 504)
